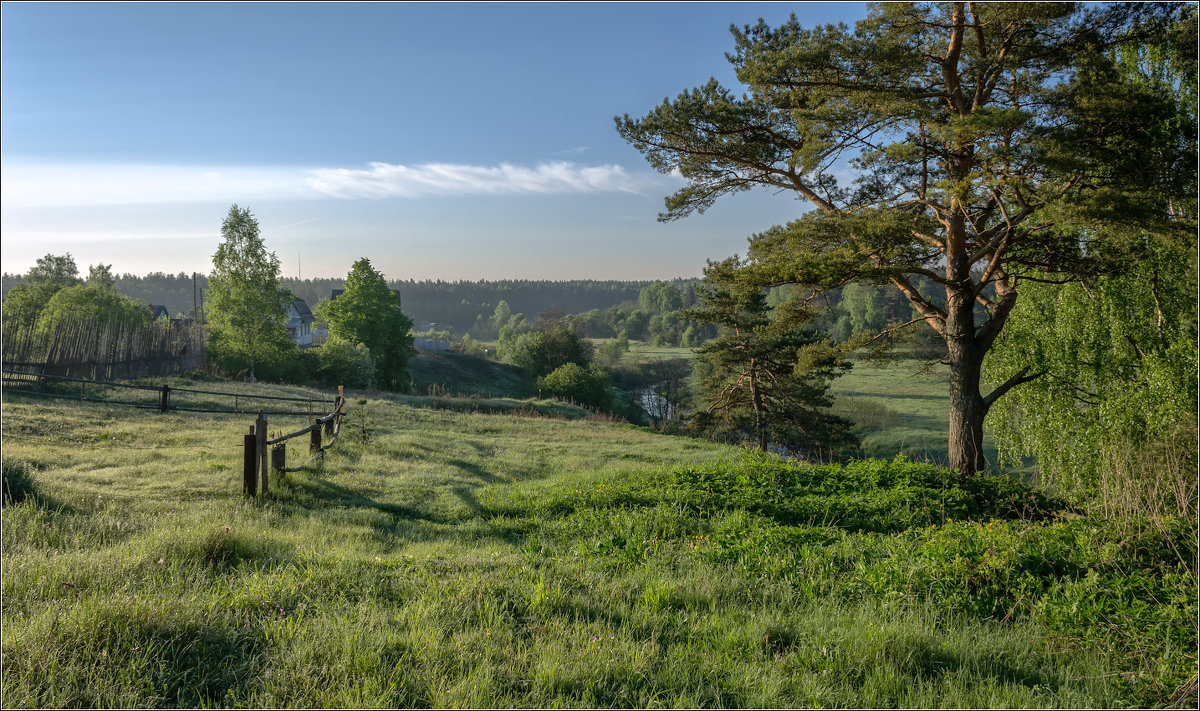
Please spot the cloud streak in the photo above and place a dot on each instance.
(54, 185)
(49, 185)
(379, 180)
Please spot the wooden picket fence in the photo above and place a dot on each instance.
(86, 346)
(255, 446)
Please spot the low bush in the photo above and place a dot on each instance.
(341, 362)
(587, 387)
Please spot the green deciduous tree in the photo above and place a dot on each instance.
(246, 308)
(610, 352)
(502, 315)
(52, 269)
(368, 313)
(46, 278)
(1114, 417)
(101, 276)
(765, 375)
(541, 352)
(93, 303)
(660, 297)
(992, 143)
(583, 386)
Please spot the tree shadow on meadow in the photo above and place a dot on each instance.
(314, 492)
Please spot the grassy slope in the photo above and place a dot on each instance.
(460, 374)
(464, 559)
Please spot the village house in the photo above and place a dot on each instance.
(300, 323)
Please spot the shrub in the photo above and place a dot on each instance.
(541, 352)
(469, 346)
(341, 362)
(571, 382)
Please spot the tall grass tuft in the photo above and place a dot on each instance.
(19, 484)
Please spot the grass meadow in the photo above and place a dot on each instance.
(487, 552)
(901, 406)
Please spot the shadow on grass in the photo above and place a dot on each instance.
(19, 486)
(181, 662)
(313, 492)
(466, 491)
(927, 661)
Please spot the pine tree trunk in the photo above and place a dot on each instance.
(967, 405)
(760, 429)
(967, 410)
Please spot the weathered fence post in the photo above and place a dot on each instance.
(261, 449)
(249, 462)
(329, 425)
(279, 457)
(314, 440)
(165, 402)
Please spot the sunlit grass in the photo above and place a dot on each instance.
(529, 559)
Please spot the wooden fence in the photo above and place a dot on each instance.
(89, 347)
(31, 381)
(255, 444)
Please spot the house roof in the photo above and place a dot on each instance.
(301, 307)
(158, 311)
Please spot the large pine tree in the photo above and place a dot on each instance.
(992, 143)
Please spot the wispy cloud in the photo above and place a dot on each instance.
(50, 185)
(379, 180)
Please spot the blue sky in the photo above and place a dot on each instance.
(443, 141)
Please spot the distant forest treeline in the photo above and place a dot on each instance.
(605, 308)
(455, 305)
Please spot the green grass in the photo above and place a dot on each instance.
(461, 374)
(528, 559)
(642, 352)
(900, 408)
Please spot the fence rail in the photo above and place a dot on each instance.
(22, 375)
(255, 446)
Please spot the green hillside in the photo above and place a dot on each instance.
(461, 374)
(543, 558)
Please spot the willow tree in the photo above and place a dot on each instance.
(990, 144)
(1113, 420)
